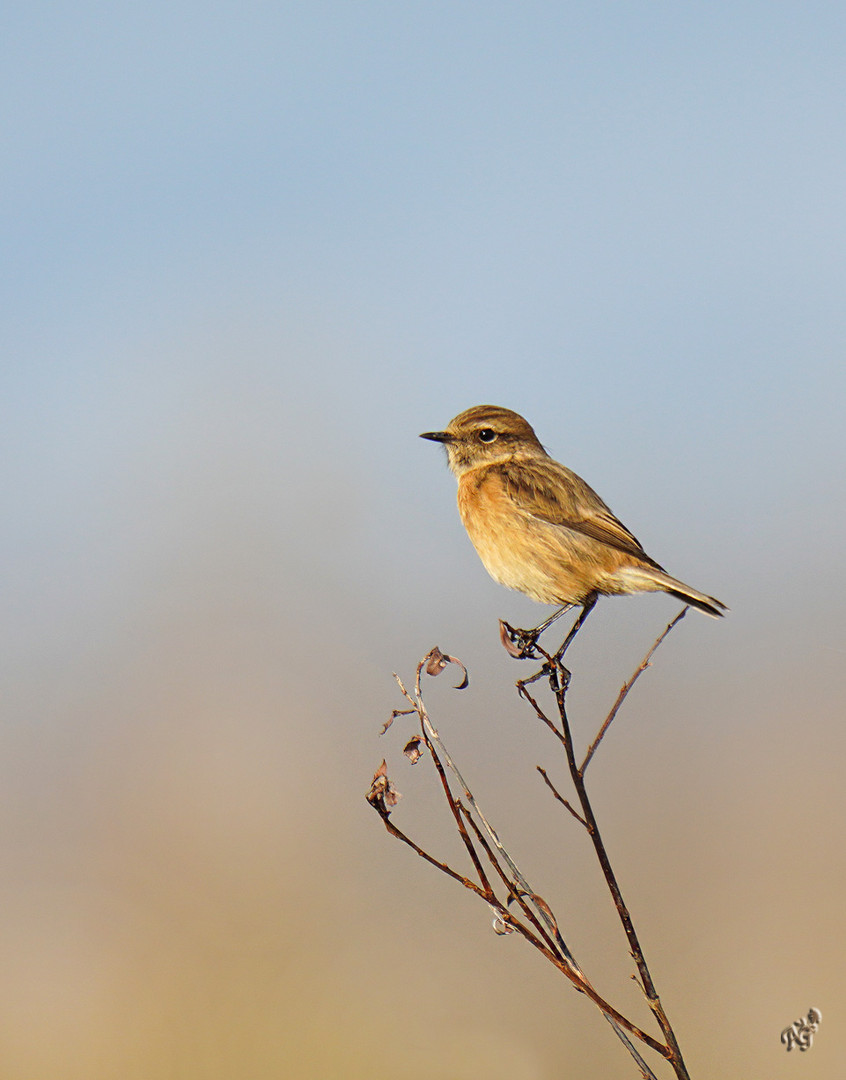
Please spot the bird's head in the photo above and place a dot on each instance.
(485, 435)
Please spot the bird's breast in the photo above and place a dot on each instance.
(492, 523)
(549, 562)
(517, 550)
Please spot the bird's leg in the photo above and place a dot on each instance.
(521, 643)
(587, 608)
(538, 630)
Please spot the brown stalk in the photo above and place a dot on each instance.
(626, 687)
(538, 925)
(559, 679)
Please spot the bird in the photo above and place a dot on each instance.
(538, 527)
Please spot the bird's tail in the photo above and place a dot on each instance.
(652, 579)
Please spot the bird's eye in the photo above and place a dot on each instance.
(487, 434)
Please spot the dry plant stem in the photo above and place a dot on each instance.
(456, 809)
(431, 736)
(540, 940)
(432, 739)
(616, 1019)
(400, 835)
(560, 797)
(518, 889)
(624, 691)
(516, 894)
(558, 680)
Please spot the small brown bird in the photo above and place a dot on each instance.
(538, 527)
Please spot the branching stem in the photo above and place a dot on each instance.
(538, 925)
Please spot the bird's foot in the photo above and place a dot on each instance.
(521, 644)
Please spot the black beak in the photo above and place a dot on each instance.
(438, 436)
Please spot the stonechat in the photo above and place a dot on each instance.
(538, 527)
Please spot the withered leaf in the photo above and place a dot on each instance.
(436, 661)
(383, 795)
(413, 749)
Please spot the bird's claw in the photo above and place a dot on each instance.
(521, 644)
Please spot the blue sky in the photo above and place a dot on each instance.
(638, 206)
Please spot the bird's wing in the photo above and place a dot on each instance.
(552, 493)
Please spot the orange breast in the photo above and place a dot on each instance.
(546, 562)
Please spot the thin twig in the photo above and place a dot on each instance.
(560, 797)
(516, 893)
(559, 689)
(541, 715)
(400, 835)
(549, 951)
(624, 692)
(459, 816)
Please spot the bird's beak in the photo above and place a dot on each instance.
(438, 436)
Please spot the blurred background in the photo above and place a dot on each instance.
(250, 252)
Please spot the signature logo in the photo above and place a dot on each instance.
(801, 1032)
